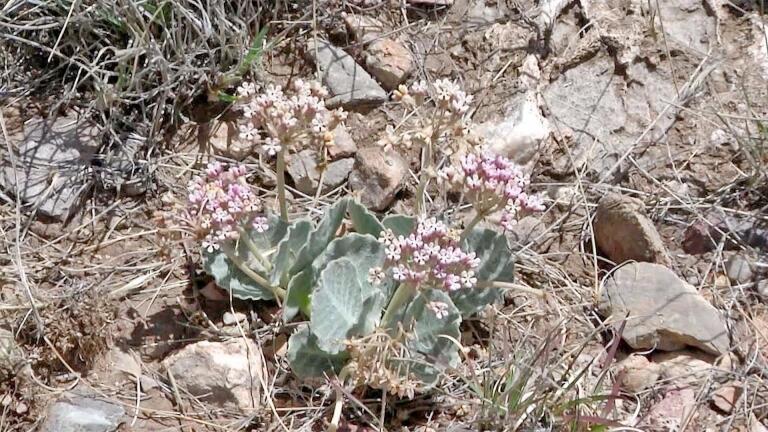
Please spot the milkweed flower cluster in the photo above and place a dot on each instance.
(448, 96)
(225, 205)
(288, 119)
(429, 257)
(492, 182)
(442, 128)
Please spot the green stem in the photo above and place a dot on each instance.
(254, 250)
(278, 292)
(400, 298)
(281, 185)
(468, 229)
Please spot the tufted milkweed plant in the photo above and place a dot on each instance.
(380, 298)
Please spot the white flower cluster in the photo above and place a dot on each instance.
(429, 257)
(288, 120)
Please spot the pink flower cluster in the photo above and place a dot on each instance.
(430, 257)
(225, 204)
(492, 182)
(288, 120)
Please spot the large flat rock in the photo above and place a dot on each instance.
(52, 164)
(349, 84)
(662, 311)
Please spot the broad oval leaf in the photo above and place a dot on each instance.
(297, 296)
(399, 224)
(231, 278)
(337, 305)
(363, 220)
(321, 236)
(496, 263)
(432, 346)
(365, 252)
(308, 360)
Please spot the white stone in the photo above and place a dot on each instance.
(226, 374)
(520, 135)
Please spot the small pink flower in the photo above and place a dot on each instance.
(439, 308)
(271, 146)
(260, 224)
(399, 274)
(210, 246)
(246, 89)
(376, 276)
(429, 257)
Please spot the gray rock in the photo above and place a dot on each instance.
(684, 367)
(624, 233)
(230, 318)
(739, 269)
(349, 84)
(304, 171)
(52, 164)
(82, 414)
(637, 373)
(586, 99)
(377, 177)
(225, 374)
(662, 311)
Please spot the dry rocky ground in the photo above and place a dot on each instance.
(642, 303)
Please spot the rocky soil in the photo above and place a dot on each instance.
(644, 301)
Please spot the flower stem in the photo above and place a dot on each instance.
(423, 178)
(281, 184)
(400, 298)
(468, 229)
(278, 292)
(254, 250)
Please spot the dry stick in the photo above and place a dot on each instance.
(17, 249)
(176, 394)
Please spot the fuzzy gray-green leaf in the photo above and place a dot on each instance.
(496, 263)
(321, 236)
(432, 347)
(363, 220)
(399, 224)
(337, 305)
(298, 293)
(308, 360)
(288, 250)
(364, 251)
(493, 251)
(231, 278)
